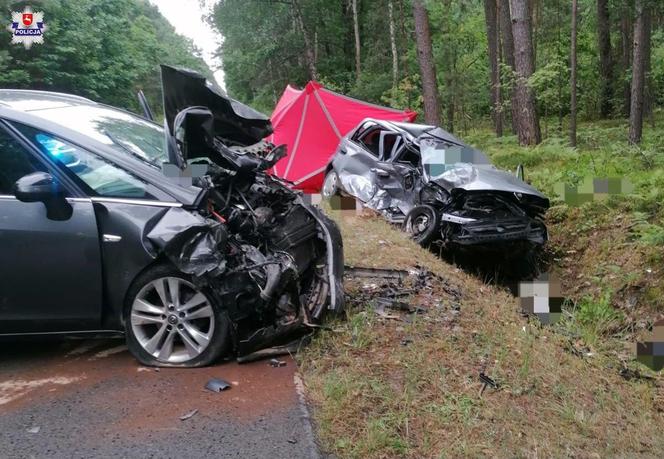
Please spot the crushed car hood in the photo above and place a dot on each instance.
(234, 122)
(484, 178)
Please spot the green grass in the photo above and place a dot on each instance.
(594, 320)
(373, 397)
(608, 252)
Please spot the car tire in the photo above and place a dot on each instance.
(189, 322)
(330, 185)
(423, 224)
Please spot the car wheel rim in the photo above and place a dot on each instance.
(172, 320)
(330, 184)
(418, 225)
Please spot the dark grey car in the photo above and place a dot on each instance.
(439, 188)
(95, 238)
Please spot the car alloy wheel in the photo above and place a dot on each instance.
(172, 320)
(331, 184)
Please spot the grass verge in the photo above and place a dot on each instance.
(408, 387)
(560, 392)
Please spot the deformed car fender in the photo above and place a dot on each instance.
(335, 256)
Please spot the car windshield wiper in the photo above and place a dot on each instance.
(128, 150)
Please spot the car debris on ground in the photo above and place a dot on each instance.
(217, 385)
(275, 351)
(486, 381)
(396, 292)
(189, 415)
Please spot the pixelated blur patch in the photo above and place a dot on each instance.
(593, 189)
(184, 176)
(345, 206)
(314, 199)
(651, 353)
(542, 298)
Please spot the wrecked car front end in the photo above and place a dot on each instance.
(475, 218)
(483, 206)
(274, 262)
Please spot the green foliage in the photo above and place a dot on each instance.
(264, 50)
(106, 50)
(596, 318)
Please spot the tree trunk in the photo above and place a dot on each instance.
(491, 17)
(528, 129)
(641, 38)
(356, 29)
(648, 89)
(508, 50)
(427, 66)
(310, 56)
(393, 46)
(626, 56)
(572, 104)
(559, 76)
(449, 84)
(605, 62)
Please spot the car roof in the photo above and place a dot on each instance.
(413, 129)
(24, 106)
(26, 100)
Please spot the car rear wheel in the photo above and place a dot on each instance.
(423, 224)
(171, 322)
(330, 185)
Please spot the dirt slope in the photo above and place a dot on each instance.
(395, 384)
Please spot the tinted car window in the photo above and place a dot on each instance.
(97, 175)
(126, 133)
(15, 162)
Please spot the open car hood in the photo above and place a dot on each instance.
(233, 122)
(472, 177)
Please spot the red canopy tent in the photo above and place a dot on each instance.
(311, 122)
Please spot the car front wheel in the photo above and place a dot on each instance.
(423, 224)
(171, 322)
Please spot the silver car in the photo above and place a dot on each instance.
(439, 188)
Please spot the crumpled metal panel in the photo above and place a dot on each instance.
(358, 185)
(233, 120)
(190, 241)
(488, 178)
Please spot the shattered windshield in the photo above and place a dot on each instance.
(453, 164)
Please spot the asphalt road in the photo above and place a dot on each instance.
(90, 398)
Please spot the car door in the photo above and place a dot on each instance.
(399, 174)
(356, 164)
(50, 270)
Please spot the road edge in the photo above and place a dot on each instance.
(306, 417)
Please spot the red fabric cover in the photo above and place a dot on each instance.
(311, 122)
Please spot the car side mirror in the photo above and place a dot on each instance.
(42, 187)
